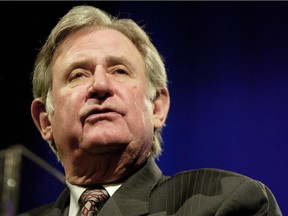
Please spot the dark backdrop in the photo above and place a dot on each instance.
(227, 66)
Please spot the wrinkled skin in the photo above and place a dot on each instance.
(103, 119)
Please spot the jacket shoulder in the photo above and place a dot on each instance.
(211, 172)
(41, 210)
(53, 208)
(206, 181)
(218, 190)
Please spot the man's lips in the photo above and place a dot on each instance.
(99, 113)
(101, 116)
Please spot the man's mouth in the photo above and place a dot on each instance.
(92, 112)
(100, 114)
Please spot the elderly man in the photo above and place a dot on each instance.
(100, 101)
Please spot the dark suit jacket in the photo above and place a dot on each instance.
(200, 192)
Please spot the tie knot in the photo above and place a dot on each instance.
(92, 200)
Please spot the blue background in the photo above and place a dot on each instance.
(227, 66)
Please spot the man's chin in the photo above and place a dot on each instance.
(102, 147)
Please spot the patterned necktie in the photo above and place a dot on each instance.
(92, 200)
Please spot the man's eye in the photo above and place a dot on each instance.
(75, 76)
(121, 71)
(78, 75)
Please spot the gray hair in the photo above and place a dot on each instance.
(81, 17)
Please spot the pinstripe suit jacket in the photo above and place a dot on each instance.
(203, 192)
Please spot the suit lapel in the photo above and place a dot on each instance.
(133, 195)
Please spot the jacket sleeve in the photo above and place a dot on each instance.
(250, 198)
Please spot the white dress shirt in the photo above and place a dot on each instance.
(76, 191)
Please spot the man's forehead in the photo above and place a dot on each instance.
(112, 43)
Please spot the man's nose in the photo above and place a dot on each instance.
(101, 85)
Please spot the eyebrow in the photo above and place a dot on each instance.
(115, 60)
(78, 64)
(110, 60)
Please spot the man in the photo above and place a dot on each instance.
(101, 100)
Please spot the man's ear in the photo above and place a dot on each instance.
(41, 119)
(161, 108)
